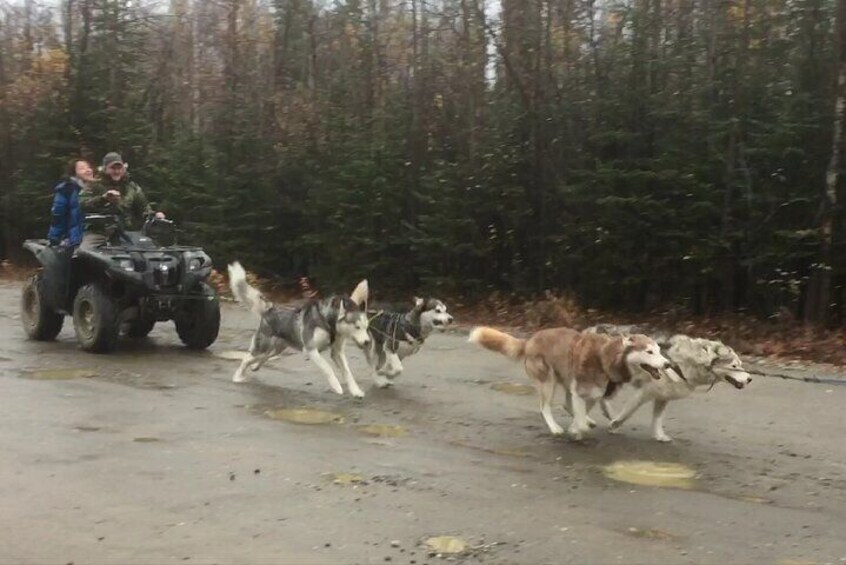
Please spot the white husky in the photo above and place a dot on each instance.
(701, 363)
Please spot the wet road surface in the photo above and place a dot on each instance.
(152, 455)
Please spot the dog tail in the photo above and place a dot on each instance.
(498, 341)
(244, 293)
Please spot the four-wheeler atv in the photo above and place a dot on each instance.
(130, 283)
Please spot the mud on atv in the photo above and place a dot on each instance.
(132, 282)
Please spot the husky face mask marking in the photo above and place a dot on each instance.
(434, 313)
(644, 353)
(726, 366)
(353, 325)
(352, 319)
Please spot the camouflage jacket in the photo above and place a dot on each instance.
(132, 210)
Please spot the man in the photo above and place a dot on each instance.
(116, 195)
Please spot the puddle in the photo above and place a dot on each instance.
(446, 544)
(652, 473)
(230, 355)
(383, 430)
(519, 389)
(651, 533)
(346, 479)
(87, 429)
(59, 374)
(146, 439)
(306, 416)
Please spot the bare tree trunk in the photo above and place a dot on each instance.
(820, 298)
(6, 158)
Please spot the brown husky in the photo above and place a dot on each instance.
(586, 365)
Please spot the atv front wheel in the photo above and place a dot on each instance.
(95, 319)
(199, 322)
(40, 322)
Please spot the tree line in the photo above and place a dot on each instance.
(636, 153)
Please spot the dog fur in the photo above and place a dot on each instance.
(701, 362)
(396, 335)
(584, 364)
(315, 326)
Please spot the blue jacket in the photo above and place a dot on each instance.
(67, 219)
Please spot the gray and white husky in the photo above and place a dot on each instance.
(396, 335)
(700, 362)
(314, 327)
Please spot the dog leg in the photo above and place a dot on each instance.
(588, 407)
(638, 400)
(394, 366)
(607, 410)
(278, 348)
(374, 361)
(545, 384)
(658, 409)
(568, 406)
(341, 361)
(579, 425)
(239, 376)
(324, 366)
(260, 360)
(546, 391)
(248, 360)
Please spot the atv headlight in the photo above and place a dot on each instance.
(125, 263)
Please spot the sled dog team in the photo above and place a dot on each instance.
(590, 366)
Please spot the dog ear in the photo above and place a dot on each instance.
(361, 293)
(628, 341)
(341, 309)
(418, 302)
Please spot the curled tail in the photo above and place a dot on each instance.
(244, 293)
(498, 341)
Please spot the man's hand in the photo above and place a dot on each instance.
(113, 196)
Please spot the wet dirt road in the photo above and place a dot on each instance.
(152, 455)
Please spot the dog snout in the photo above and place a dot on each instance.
(450, 320)
(365, 342)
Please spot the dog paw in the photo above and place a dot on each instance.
(383, 382)
(557, 431)
(336, 388)
(614, 426)
(591, 422)
(576, 432)
(357, 392)
(663, 438)
(240, 378)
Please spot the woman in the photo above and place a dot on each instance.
(66, 224)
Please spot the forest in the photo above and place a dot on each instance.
(636, 154)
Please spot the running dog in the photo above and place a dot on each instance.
(584, 364)
(700, 362)
(395, 335)
(314, 327)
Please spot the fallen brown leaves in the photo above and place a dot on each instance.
(780, 339)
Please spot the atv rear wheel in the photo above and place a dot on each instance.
(139, 328)
(199, 322)
(40, 322)
(95, 319)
